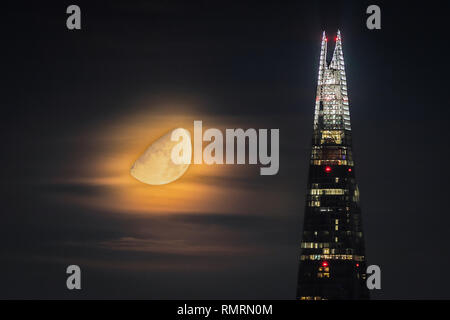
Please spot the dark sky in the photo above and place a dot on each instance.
(253, 61)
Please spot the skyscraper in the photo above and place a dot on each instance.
(332, 261)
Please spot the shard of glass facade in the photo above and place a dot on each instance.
(332, 260)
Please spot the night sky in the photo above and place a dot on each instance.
(76, 106)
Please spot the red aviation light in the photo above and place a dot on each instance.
(357, 265)
(349, 169)
(324, 264)
(327, 169)
(326, 39)
(336, 39)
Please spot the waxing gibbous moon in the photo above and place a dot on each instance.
(155, 166)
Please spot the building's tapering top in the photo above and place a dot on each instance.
(323, 56)
(332, 99)
(337, 62)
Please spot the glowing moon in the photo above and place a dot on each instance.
(155, 165)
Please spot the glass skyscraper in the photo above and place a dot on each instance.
(332, 261)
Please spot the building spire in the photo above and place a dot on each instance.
(337, 63)
(338, 56)
(323, 56)
(331, 105)
(322, 69)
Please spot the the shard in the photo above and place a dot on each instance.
(332, 260)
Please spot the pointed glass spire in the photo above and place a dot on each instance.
(332, 98)
(323, 56)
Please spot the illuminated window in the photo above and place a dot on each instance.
(311, 298)
(324, 270)
(332, 257)
(314, 204)
(332, 136)
(328, 192)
